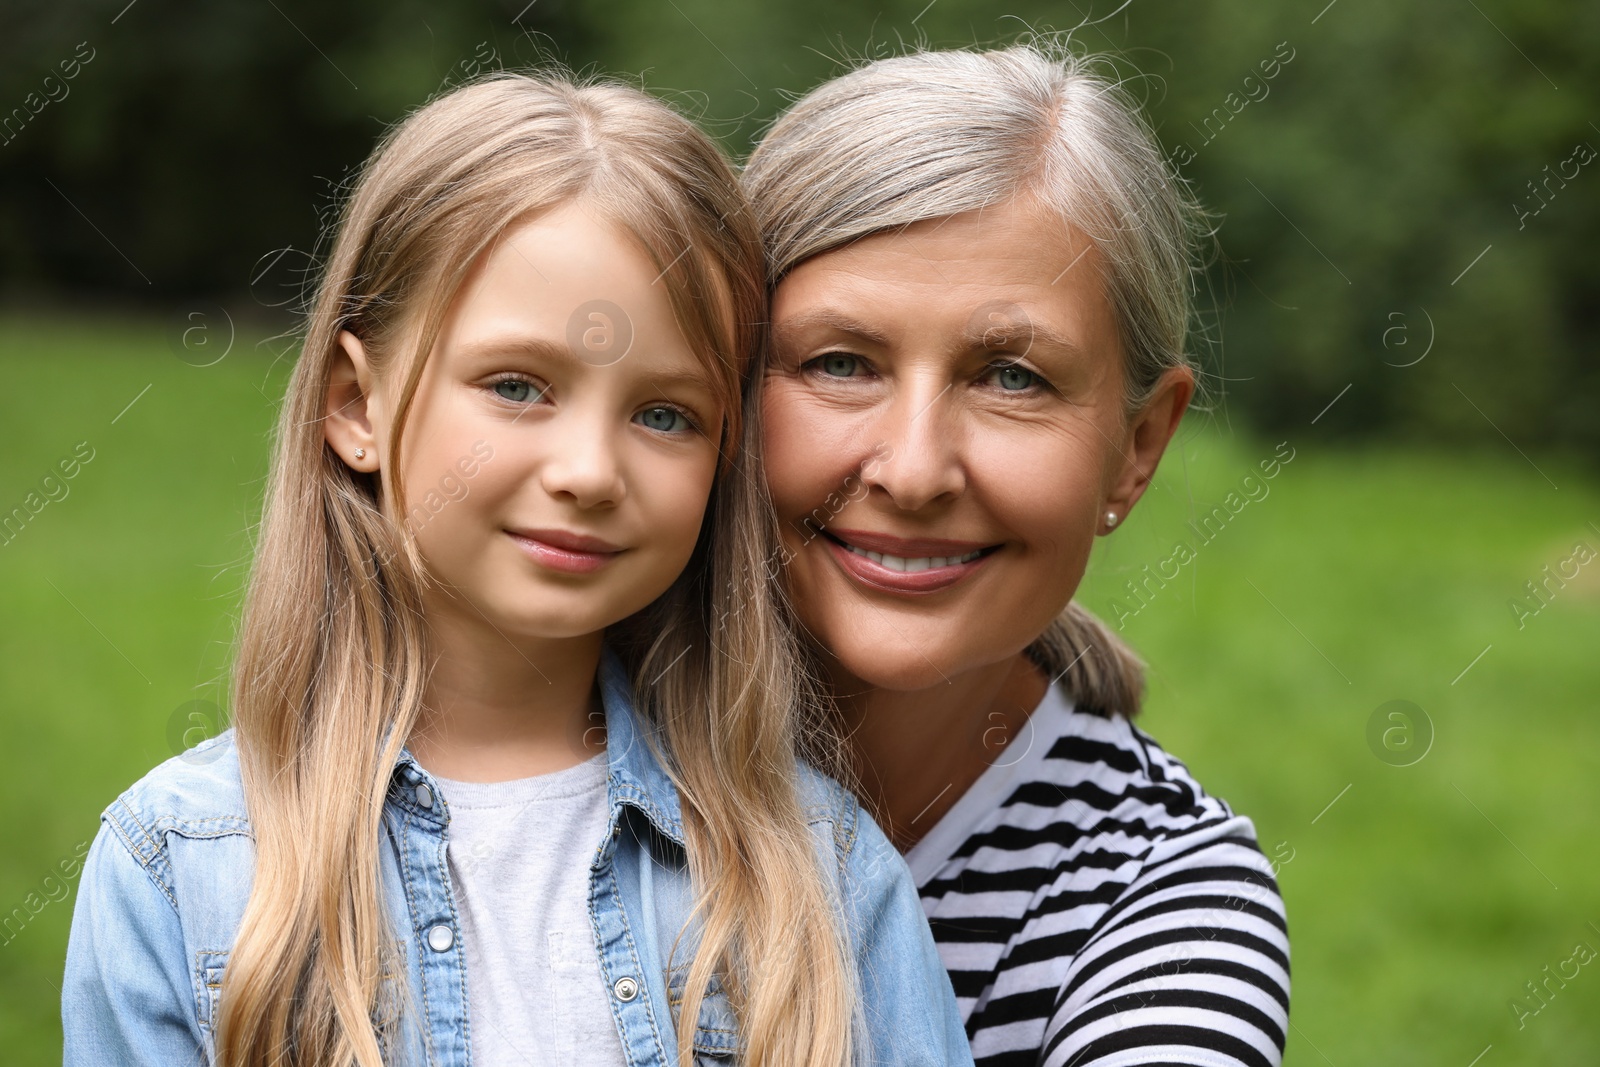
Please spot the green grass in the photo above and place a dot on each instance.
(119, 599)
(1419, 902)
(1424, 898)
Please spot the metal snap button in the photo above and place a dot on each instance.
(441, 937)
(424, 795)
(626, 988)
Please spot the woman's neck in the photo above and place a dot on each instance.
(916, 752)
(496, 708)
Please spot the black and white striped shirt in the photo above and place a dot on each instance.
(1094, 906)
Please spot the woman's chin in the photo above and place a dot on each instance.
(903, 670)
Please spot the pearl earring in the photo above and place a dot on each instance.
(361, 453)
(1111, 518)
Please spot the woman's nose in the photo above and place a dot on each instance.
(921, 428)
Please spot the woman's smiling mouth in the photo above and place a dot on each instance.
(905, 565)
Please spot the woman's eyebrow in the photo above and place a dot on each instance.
(828, 319)
(1025, 333)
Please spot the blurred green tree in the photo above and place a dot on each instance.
(1404, 182)
(203, 144)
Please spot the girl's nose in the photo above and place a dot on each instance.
(583, 467)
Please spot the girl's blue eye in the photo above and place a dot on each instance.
(517, 390)
(1012, 378)
(839, 365)
(663, 420)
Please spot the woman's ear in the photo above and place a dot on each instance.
(353, 406)
(1149, 432)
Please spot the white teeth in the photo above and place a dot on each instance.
(921, 563)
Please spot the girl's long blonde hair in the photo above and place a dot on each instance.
(332, 657)
(937, 133)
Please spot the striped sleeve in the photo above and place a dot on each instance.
(1189, 965)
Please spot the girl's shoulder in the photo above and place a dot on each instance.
(179, 835)
(196, 794)
(832, 812)
(820, 795)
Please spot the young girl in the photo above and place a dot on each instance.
(502, 505)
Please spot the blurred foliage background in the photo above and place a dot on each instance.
(1404, 289)
(198, 153)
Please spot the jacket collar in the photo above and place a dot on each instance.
(634, 775)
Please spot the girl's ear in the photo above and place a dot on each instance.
(352, 405)
(1149, 431)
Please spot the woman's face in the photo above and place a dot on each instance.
(945, 431)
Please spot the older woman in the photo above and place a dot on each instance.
(981, 269)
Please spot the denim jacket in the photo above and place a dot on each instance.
(166, 880)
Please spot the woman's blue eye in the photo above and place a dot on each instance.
(839, 365)
(517, 390)
(663, 420)
(1013, 378)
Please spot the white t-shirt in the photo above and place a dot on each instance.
(519, 855)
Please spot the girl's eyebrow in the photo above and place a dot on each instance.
(686, 378)
(525, 347)
(538, 348)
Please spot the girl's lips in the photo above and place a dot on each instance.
(566, 552)
(963, 560)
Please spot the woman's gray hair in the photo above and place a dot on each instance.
(938, 133)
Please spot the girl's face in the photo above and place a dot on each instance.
(561, 446)
(945, 430)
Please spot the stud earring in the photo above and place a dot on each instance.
(1111, 518)
(361, 453)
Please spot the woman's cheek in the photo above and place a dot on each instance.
(1044, 492)
(796, 472)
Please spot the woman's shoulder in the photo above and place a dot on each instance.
(1181, 893)
(1100, 765)
(1088, 795)
(195, 794)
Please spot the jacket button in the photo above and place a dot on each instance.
(441, 937)
(424, 796)
(625, 988)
